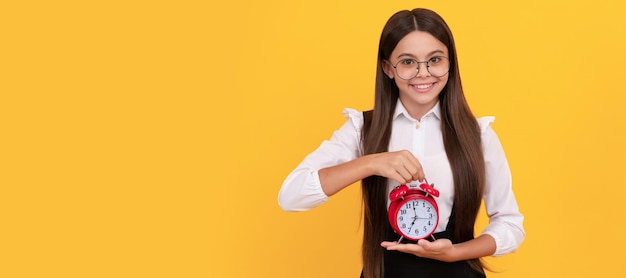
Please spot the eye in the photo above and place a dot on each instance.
(407, 62)
(435, 59)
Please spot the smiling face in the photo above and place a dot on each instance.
(420, 93)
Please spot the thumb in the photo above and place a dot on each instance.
(424, 243)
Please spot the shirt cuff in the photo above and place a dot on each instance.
(507, 238)
(306, 196)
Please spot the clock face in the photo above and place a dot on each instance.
(417, 218)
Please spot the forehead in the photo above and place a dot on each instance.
(419, 44)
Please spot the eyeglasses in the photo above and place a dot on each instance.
(437, 66)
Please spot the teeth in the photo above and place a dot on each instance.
(426, 86)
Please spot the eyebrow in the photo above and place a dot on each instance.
(429, 54)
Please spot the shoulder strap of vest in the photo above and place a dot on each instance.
(367, 115)
(367, 121)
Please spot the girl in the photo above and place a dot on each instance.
(421, 127)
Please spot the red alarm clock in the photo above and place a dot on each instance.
(413, 212)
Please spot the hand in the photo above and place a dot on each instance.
(441, 249)
(401, 166)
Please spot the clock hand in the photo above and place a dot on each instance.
(414, 219)
(412, 223)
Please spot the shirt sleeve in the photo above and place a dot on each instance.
(302, 189)
(505, 220)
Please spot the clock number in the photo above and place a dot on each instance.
(403, 211)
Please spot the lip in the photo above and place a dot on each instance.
(423, 87)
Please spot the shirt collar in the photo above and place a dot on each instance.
(400, 110)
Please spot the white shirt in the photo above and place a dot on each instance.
(302, 189)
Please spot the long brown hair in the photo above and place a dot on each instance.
(461, 137)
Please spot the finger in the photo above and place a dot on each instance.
(414, 167)
(405, 174)
(386, 244)
(415, 171)
(397, 177)
(400, 174)
(406, 248)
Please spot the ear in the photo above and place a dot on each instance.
(388, 69)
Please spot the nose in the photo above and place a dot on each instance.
(422, 72)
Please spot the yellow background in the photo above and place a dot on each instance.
(150, 138)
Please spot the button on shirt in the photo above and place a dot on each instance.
(302, 190)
